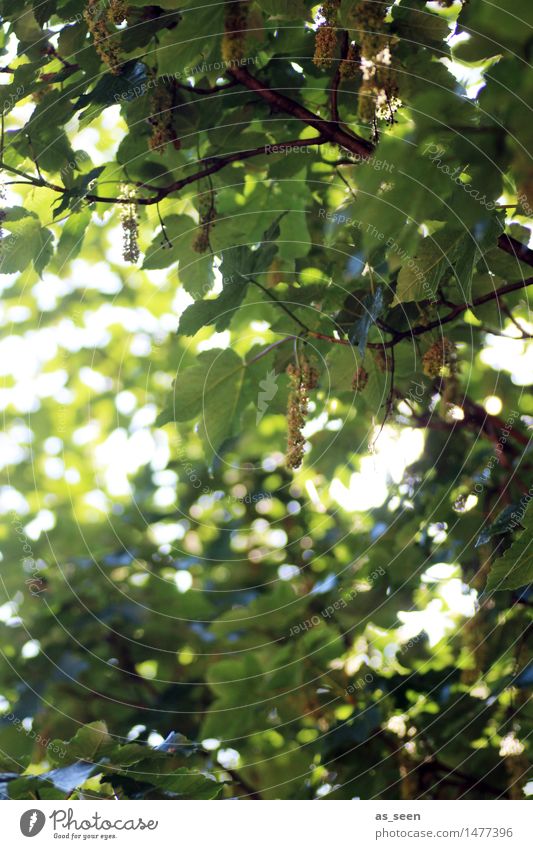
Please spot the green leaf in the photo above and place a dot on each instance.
(239, 265)
(185, 49)
(502, 524)
(45, 250)
(376, 390)
(418, 26)
(420, 276)
(28, 242)
(514, 568)
(195, 270)
(493, 30)
(188, 784)
(114, 88)
(218, 311)
(211, 390)
(342, 364)
(88, 744)
(71, 239)
(71, 198)
(295, 241)
(67, 778)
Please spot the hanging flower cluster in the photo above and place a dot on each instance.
(378, 93)
(441, 359)
(234, 38)
(101, 19)
(207, 215)
(350, 66)
(2, 214)
(303, 377)
(162, 120)
(130, 226)
(326, 34)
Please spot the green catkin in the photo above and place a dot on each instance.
(117, 11)
(130, 226)
(350, 67)
(441, 359)
(326, 35)
(302, 377)
(2, 214)
(104, 37)
(378, 93)
(234, 38)
(207, 217)
(162, 120)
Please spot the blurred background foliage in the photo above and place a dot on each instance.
(197, 619)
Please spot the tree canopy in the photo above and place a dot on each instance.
(267, 420)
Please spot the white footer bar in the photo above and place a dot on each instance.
(268, 825)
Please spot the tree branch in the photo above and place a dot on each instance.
(281, 304)
(329, 130)
(460, 308)
(419, 331)
(335, 83)
(516, 249)
(211, 165)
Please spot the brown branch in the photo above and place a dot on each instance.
(418, 331)
(216, 163)
(516, 249)
(335, 83)
(524, 334)
(280, 304)
(329, 130)
(211, 165)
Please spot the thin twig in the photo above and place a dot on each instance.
(283, 306)
(269, 348)
(334, 94)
